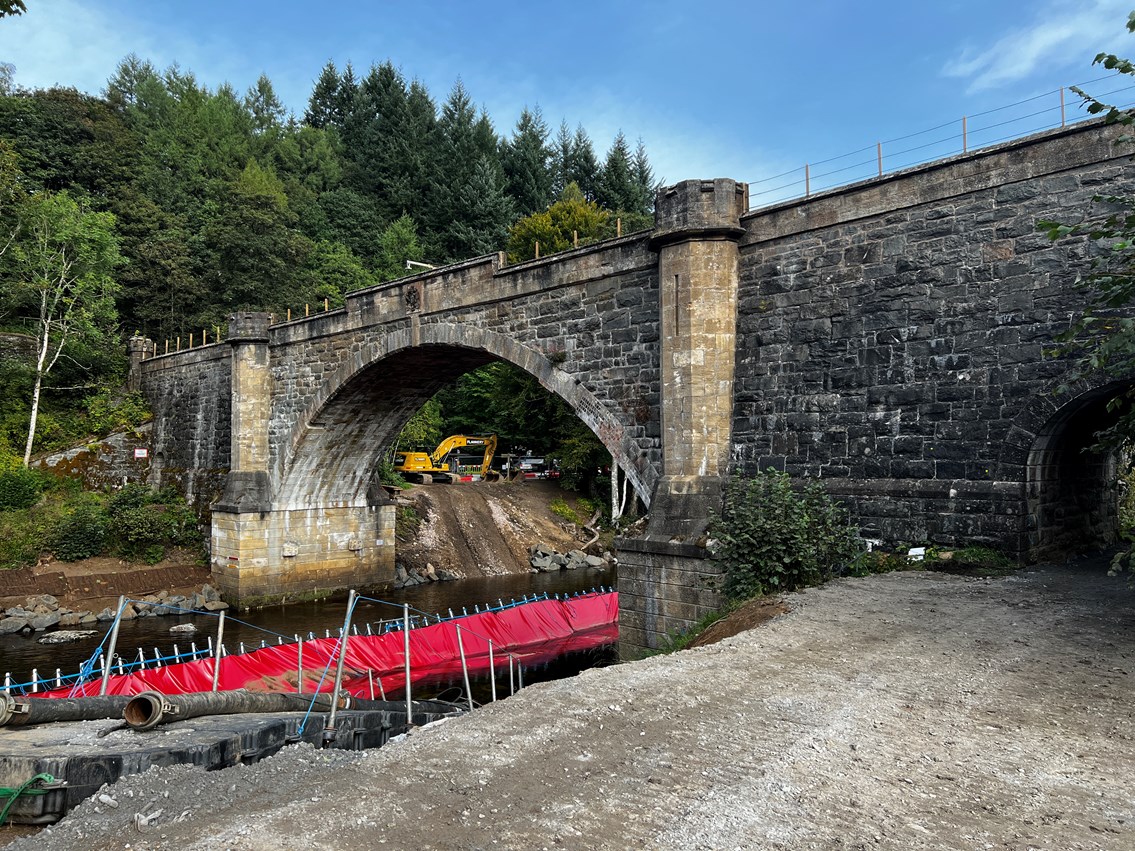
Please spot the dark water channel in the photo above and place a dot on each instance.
(19, 655)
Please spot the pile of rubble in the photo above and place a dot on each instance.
(404, 578)
(544, 559)
(43, 612)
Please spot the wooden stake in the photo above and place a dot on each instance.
(306, 310)
(326, 302)
(575, 238)
(965, 141)
(289, 314)
(179, 342)
(879, 152)
(167, 345)
(191, 339)
(618, 227)
(807, 181)
(1061, 106)
(537, 249)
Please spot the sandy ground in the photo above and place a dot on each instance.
(905, 711)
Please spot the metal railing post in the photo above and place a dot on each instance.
(464, 667)
(113, 643)
(406, 652)
(344, 637)
(217, 650)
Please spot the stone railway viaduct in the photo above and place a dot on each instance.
(887, 338)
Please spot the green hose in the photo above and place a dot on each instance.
(25, 789)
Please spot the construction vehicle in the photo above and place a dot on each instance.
(414, 466)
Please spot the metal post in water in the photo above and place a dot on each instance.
(519, 675)
(113, 642)
(370, 679)
(344, 637)
(492, 671)
(464, 667)
(406, 653)
(511, 679)
(217, 652)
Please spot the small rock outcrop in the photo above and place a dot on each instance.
(544, 559)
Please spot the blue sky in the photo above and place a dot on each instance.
(746, 90)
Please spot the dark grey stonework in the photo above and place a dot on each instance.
(190, 393)
(895, 346)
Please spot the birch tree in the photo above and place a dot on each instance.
(62, 278)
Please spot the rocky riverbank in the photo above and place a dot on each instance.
(43, 612)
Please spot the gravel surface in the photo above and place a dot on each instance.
(912, 710)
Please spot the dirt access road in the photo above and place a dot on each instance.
(906, 711)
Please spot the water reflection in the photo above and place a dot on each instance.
(20, 654)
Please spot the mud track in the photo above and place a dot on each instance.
(485, 528)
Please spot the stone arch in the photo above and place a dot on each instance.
(336, 442)
(1070, 493)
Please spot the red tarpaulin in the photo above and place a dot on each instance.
(532, 632)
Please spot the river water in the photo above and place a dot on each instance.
(19, 655)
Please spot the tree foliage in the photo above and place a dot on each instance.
(62, 279)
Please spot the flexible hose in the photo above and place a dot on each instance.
(16, 712)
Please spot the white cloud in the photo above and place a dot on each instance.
(63, 42)
(1063, 34)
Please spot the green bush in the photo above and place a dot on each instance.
(144, 523)
(20, 488)
(770, 537)
(109, 411)
(82, 533)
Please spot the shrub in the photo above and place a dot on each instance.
(82, 533)
(145, 523)
(770, 537)
(110, 411)
(20, 488)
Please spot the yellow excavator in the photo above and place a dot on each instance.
(415, 465)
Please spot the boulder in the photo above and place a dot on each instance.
(216, 606)
(183, 629)
(431, 572)
(210, 593)
(128, 612)
(45, 600)
(196, 602)
(41, 622)
(596, 562)
(13, 624)
(87, 618)
(545, 564)
(106, 614)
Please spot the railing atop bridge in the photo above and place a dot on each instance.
(1047, 111)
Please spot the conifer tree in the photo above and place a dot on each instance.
(618, 189)
(526, 159)
(322, 106)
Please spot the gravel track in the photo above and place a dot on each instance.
(907, 711)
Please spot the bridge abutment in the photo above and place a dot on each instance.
(263, 552)
(666, 580)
